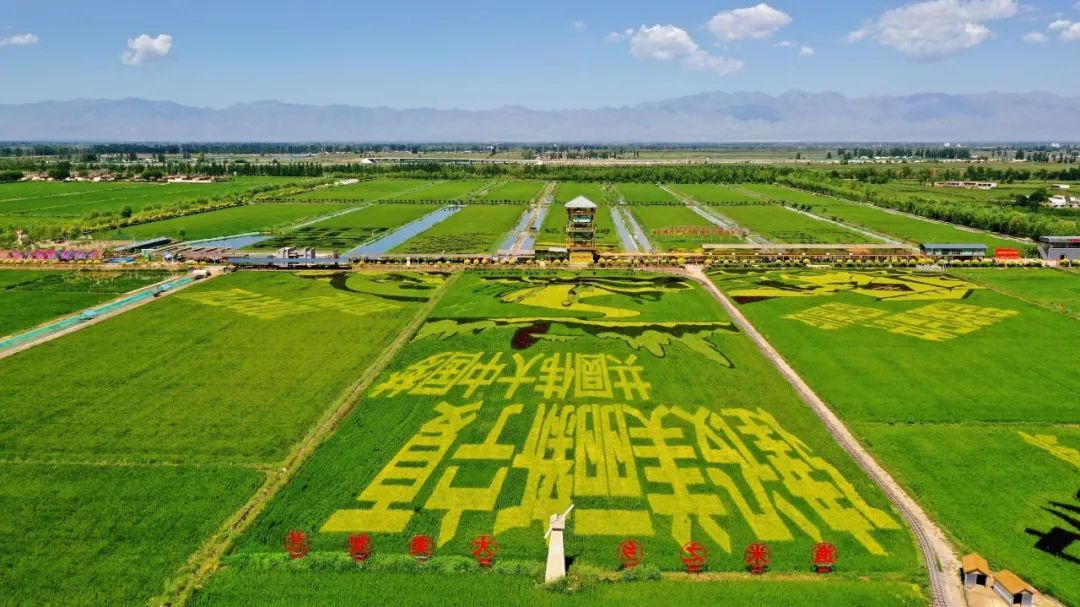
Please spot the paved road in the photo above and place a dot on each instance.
(938, 555)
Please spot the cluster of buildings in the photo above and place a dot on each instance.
(1006, 584)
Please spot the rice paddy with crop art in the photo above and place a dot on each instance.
(234, 369)
(934, 368)
(474, 229)
(445, 190)
(224, 222)
(902, 226)
(777, 224)
(343, 232)
(569, 190)
(1058, 289)
(678, 228)
(77, 199)
(31, 297)
(513, 191)
(630, 395)
(645, 193)
(365, 190)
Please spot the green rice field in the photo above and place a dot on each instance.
(905, 358)
(673, 228)
(645, 193)
(365, 191)
(77, 199)
(127, 443)
(513, 191)
(474, 229)
(444, 191)
(343, 232)
(707, 193)
(224, 222)
(31, 297)
(569, 190)
(777, 224)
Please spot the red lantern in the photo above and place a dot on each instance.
(484, 550)
(420, 547)
(359, 547)
(297, 544)
(757, 557)
(631, 553)
(823, 556)
(694, 556)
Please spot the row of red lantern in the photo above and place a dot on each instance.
(694, 555)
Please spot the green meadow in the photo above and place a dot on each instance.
(343, 232)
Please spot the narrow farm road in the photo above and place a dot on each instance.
(204, 561)
(938, 555)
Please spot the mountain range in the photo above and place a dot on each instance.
(712, 117)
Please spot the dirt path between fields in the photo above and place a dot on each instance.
(202, 564)
(938, 555)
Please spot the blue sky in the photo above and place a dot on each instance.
(551, 54)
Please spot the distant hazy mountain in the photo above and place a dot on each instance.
(708, 117)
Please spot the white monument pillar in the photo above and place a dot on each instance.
(556, 561)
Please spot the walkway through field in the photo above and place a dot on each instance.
(938, 555)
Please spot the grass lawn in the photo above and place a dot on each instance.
(102, 534)
(474, 229)
(343, 232)
(31, 297)
(224, 222)
(777, 224)
(659, 219)
(645, 193)
(630, 394)
(365, 190)
(234, 369)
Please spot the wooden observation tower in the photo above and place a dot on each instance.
(581, 230)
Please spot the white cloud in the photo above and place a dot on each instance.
(19, 40)
(785, 44)
(580, 25)
(1036, 37)
(619, 36)
(144, 48)
(806, 51)
(755, 22)
(672, 43)
(1060, 24)
(934, 29)
(1072, 34)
